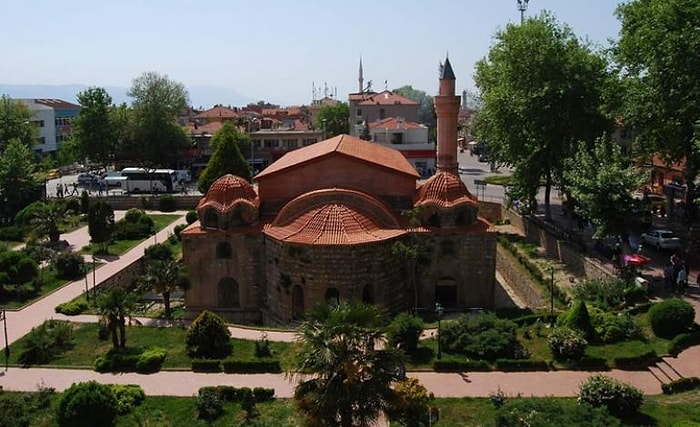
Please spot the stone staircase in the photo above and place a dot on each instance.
(664, 371)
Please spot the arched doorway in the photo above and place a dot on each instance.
(297, 303)
(446, 292)
(368, 294)
(229, 296)
(332, 296)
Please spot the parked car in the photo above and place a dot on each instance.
(86, 179)
(53, 174)
(661, 239)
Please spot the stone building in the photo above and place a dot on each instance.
(322, 222)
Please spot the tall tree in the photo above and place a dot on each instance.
(93, 131)
(115, 305)
(334, 119)
(101, 224)
(48, 220)
(346, 380)
(15, 123)
(602, 180)
(226, 158)
(164, 277)
(18, 184)
(542, 90)
(158, 101)
(657, 55)
(124, 125)
(426, 108)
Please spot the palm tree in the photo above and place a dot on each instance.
(115, 306)
(48, 220)
(351, 378)
(164, 277)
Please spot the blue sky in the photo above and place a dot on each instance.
(267, 50)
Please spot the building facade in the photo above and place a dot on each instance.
(52, 118)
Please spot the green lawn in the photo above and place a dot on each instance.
(87, 347)
(119, 247)
(50, 283)
(657, 411)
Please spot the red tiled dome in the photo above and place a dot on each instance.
(334, 217)
(228, 191)
(444, 190)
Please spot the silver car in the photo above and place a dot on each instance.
(661, 239)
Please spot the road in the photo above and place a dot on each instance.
(471, 169)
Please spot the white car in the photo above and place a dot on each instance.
(661, 239)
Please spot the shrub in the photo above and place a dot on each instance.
(251, 366)
(17, 268)
(191, 217)
(611, 328)
(136, 224)
(158, 252)
(133, 215)
(248, 402)
(681, 385)
(619, 398)
(178, 229)
(636, 362)
(84, 202)
(45, 342)
(262, 347)
(404, 331)
(683, 341)
(12, 233)
(263, 394)
(151, 360)
(208, 337)
(166, 203)
(578, 319)
(566, 344)
(460, 364)
(87, 404)
(609, 294)
(118, 360)
(482, 336)
(69, 265)
(206, 365)
(410, 403)
(128, 396)
(521, 365)
(671, 317)
(209, 404)
(72, 205)
(549, 411)
(72, 308)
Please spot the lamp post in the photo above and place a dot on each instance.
(551, 291)
(522, 7)
(439, 310)
(3, 317)
(94, 285)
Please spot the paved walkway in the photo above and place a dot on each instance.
(185, 383)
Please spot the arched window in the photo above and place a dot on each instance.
(211, 219)
(228, 293)
(332, 296)
(368, 294)
(223, 250)
(297, 303)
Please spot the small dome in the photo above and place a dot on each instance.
(226, 192)
(444, 190)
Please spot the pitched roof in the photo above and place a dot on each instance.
(387, 97)
(204, 129)
(348, 146)
(393, 123)
(57, 103)
(218, 112)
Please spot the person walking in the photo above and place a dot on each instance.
(682, 279)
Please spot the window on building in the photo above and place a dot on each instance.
(290, 143)
(446, 292)
(229, 296)
(271, 143)
(358, 113)
(368, 294)
(211, 219)
(309, 141)
(223, 250)
(382, 114)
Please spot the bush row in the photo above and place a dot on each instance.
(636, 362)
(232, 394)
(127, 360)
(681, 385)
(72, 308)
(236, 366)
(682, 342)
(457, 364)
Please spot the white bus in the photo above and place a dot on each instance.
(140, 180)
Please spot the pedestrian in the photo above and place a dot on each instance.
(65, 189)
(682, 280)
(75, 189)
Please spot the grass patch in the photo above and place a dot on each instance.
(119, 247)
(87, 347)
(504, 180)
(11, 299)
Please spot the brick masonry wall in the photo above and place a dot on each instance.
(517, 280)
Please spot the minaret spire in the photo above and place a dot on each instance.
(447, 111)
(361, 79)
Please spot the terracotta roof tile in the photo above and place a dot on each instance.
(204, 129)
(218, 112)
(387, 97)
(393, 123)
(444, 190)
(228, 191)
(347, 145)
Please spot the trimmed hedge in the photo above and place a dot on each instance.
(131, 360)
(521, 365)
(233, 394)
(671, 317)
(682, 342)
(681, 385)
(151, 360)
(458, 364)
(231, 366)
(588, 363)
(636, 362)
(166, 203)
(72, 308)
(206, 365)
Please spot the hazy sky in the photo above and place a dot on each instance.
(269, 49)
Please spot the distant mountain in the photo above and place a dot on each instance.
(200, 96)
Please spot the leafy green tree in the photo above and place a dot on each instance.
(124, 125)
(164, 277)
(662, 82)
(426, 107)
(49, 219)
(542, 89)
(351, 379)
(93, 132)
(15, 123)
(334, 119)
(17, 268)
(410, 406)
(602, 180)
(405, 331)
(87, 404)
(226, 158)
(115, 305)
(101, 224)
(158, 101)
(18, 184)
(208, 337)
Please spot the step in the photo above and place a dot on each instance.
(669, 370)
(659, 374)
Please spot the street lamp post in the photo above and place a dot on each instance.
(551, 289)
(439, 310)
(3, 317)
(94, 285)
(522, 7)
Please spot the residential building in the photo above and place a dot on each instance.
(52, 118)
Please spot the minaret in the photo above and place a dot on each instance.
(447, 111)
(360, 79)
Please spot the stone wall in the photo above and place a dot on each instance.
(147, 201)
(124, 278)
(490, 211)
(513, 274)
